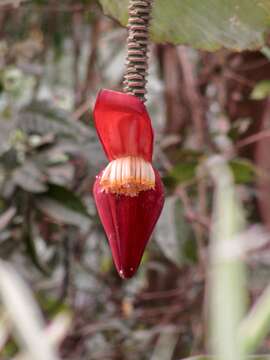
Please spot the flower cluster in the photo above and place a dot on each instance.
(128, 192)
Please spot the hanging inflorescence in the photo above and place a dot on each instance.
(128, 193)
(137, 59)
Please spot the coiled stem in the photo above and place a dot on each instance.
(137, 43)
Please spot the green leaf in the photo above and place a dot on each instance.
(255, 327)
(261, 90)
(243, 171)
(66, 197)
(11, 2)
(63, 214)
(174, 234)
(208, 24)
(6, 217)
(32, 252)
(25, 315)
(30, 178)
(253, 357)
(266, 51)
(64, 206)
(41, 117)
(51, 305)
(182, 172)
(200, 358)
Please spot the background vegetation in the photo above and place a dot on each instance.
(211, 114)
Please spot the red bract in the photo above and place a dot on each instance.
(128, 192)
(123, 125)
(128, 223)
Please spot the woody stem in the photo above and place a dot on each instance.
(137, 44)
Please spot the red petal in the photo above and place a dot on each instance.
(123, 125)
(128, 223)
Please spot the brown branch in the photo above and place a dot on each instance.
(193, 95)
(91, 71)
(254, 65)
(5, 14)
(177, 114)
(77, 41)
(11, 4)
(83, 109)
(58, 8)
(199, 223)
(157, 295)
(191, 215)
(263, 162)
(253, 138)
(238, 78)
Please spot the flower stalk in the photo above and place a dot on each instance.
(137, 44)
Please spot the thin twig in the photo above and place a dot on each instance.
(191, 215)
(177, 114)
(58, 7)
(253, 138)
(229, 74)
(77, 42)
(194, 98)
(91, 71)
(262, 161)
(82, 109)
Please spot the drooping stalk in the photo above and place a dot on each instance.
(137, 48)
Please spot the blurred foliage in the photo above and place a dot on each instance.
(54, 57)
(261, 90)
(209, 25)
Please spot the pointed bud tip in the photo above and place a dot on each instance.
(128, 273)
(129, 222)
